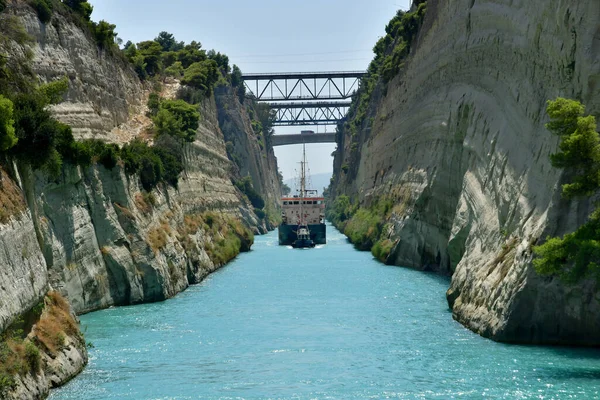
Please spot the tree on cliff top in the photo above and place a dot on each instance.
(202, 75)
(104, 33)
(150, 51)
(168, 42)
(81, 7)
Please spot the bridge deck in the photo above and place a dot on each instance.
(310, 104)
(302, 75)
(284, 140)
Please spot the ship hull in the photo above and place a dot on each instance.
(287, 234)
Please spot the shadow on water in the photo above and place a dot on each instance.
(568, 373)
(578, 353)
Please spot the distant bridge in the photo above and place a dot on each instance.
(310, 113)
(305, 98)
(284, 140)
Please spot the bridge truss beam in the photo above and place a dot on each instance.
(315, 113)
(303, 85)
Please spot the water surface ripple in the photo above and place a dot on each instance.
(326, 323)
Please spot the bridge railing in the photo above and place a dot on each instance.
(304, 75)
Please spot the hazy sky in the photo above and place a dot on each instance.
(266, 36)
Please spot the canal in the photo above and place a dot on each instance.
(325, 323)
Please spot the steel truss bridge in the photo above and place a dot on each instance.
(310, 113)
(305, 98)
(296, 86)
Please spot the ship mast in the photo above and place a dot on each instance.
(303, 173)
(302, 182)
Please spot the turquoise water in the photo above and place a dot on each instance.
(326, 323)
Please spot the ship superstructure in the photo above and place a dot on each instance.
(303, 215)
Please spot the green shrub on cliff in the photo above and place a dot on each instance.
(162, 162)
(246, 187)
(382, 249)
(576, 255)
(55, 90)
(104, 33)
(401, 31)
(43, 9)
(43, 142)
(107, 154)
(199, 71)
(175, 70)
(2, 5)
(170, 152)
(7, 124)
(230, 236)
(37, 131)
(139, 158)
(202, 75)
(340, 212)
(579, 146)
(363, 228)
(178, 119)
(362, 225)
(153, 104)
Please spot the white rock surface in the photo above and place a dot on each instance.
(103, 89)
(23, 275)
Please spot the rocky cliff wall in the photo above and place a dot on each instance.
(255, 157)
(103, 89)
(107, 242)
(94, 226)
(23, 277)
(458, 142)
(93, 234)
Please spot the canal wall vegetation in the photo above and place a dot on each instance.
(445, 163)
(126, 176)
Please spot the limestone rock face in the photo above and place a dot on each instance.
(23, 276)
(101, 240)
(93, 234)
(255, 160)
(458, 141)
(109, 243)
(103, 89)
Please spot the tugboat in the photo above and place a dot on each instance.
(303, 238)
(303, 216)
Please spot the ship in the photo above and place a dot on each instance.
(303, 215)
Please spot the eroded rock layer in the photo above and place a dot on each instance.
(458, 142)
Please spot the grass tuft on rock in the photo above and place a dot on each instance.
(50, 323)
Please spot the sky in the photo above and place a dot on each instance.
(266, 36)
